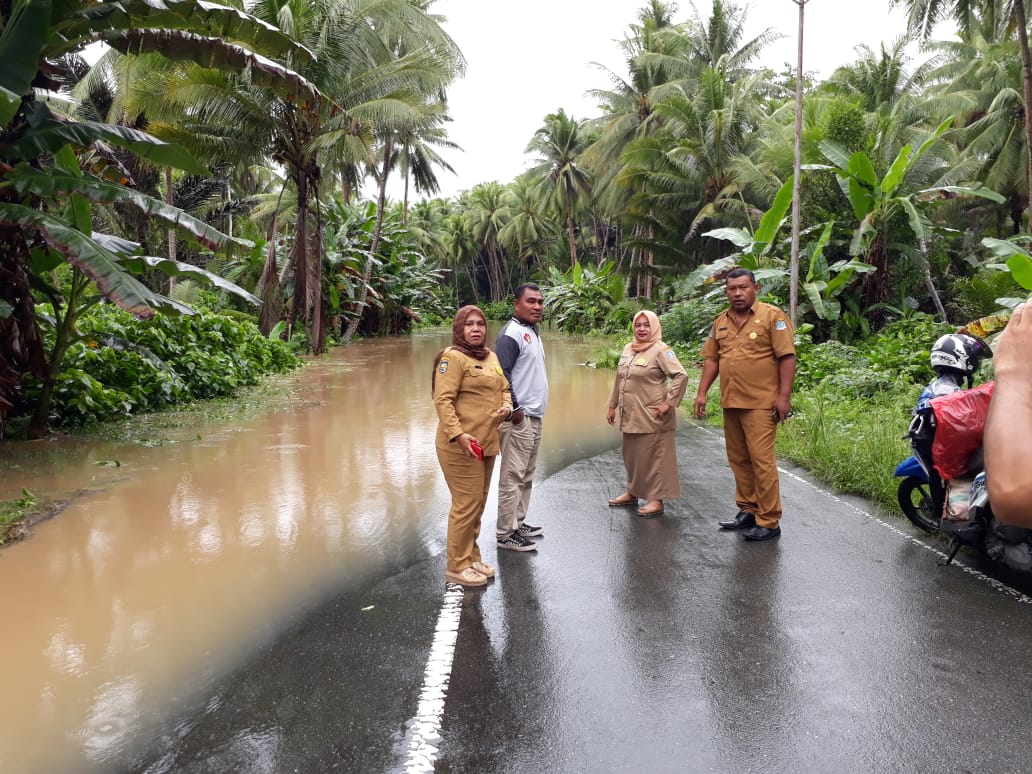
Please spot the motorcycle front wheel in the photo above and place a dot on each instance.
(916, 503)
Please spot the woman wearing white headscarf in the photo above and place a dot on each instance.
(649, 385)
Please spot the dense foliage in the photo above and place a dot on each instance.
(250, 147)
(119, 366)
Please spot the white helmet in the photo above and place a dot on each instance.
(958, 353)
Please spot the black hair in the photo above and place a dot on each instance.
(521, 289)
(736, 273)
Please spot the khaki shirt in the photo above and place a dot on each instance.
(467, 393)
(646, 379)
(747, 357)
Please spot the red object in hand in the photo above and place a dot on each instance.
(477, 449)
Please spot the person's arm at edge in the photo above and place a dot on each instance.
(786, 376)
(614, 394)
(446, 391)
(1008, 427)
(677, 383)
(710, 370)
(507, 350)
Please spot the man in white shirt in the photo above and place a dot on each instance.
(522, 356)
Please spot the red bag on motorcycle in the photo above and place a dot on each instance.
(959, 423)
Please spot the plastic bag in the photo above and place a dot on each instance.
(960, 422)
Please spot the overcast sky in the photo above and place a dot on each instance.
(529, 58)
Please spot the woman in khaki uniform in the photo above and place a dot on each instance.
(471, 396)
(649, 385)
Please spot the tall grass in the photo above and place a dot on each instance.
(852, 444)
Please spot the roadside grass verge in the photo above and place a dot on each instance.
(853, 444)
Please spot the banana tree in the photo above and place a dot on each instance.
(755, 248)
(877, 202)
(1017, 260)
(54, 170)
(824, 282)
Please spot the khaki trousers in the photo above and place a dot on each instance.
(468, 480)
(749, 438)
(516, 476)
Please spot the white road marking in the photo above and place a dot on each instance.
(991, 582)
(424, 732)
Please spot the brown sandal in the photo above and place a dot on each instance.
(646, 511)
(624, 499)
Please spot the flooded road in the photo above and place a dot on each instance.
(175, 562)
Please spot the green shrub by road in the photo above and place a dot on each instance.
(119, 366)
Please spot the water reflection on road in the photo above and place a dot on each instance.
(169, 568)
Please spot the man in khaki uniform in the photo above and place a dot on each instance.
(752, 348)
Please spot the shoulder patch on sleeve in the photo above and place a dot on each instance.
(443, 367)
(780, 325)
(669, 353)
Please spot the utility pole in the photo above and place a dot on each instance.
(793, 269)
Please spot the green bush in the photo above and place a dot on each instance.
(120, 365)
(587, 299)
(79, 399)
(853, 445)
(494, 310)
(689, 322)
(895, 356)
(975, 297)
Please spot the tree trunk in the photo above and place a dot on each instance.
(404, 203)
(793, 271)
(315, 292)
(22, 349)
(1026, 88)
(170, 200)
(268, 289)
(573, 245)
(928, 282)
(648, 262)
(39, 424)
(299, 253)
(494, 264)
(367, 273)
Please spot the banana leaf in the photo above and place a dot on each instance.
(217, 55)
(211, 19)
(46, 135)
(21, 44)
(95, 261)
(177, 269)
(26, 180)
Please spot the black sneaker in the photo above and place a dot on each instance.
(528, 531)
(516, 542)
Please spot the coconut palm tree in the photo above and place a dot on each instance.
(560, 144)
(529, 232)
(1011, 15)
(985, 72)
(487, 215)
(891, 92)
(418, 158)
(376, 64)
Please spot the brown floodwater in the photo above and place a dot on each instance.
(174, 561)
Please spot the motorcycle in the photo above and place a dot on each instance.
(922, 496)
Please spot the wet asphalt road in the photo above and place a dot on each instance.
(659, 645)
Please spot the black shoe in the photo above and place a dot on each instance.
(742, 520)
(528, 531)
(516, 542)
(762, 533)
